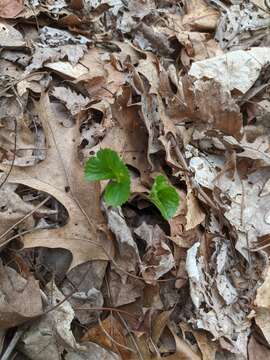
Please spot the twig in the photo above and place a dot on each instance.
(21, 220)
(132, 337)
(67, 297)
(15, 82)
(112, 339)
(107, 309)
(13, 343)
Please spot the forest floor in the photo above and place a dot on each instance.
(176, 88)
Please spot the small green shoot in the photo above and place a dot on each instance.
(107, 165)
(164, 196)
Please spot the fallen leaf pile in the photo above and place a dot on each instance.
(177, 88)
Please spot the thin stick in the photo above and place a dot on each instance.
(12, 344)
(112, 339)
(24, 218)
(107, 309)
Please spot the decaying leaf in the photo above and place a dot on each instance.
(116, 342)
(74, 102)
(200, 16)
(224, 318)
(54, 176)
(158, 259)
(49, 336)
(180, 91)
(20, 298)
(236, 70)
(9, 37)
(9, 9)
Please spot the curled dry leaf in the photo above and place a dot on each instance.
(183, 349)
(49, 336)
(127, 255)
(223, 317)
(124, 290)
(158, 259)
(20, 298)
(88, 290)
(209, 101)
(195, 215)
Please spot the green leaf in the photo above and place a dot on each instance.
(106, 165)
(164, 196)
(117, 193)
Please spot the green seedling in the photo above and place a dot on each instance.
(107, 165)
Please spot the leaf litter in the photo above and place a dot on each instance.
(180, 90)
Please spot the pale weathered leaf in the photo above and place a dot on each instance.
(61, 176)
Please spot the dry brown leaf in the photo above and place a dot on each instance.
(49, 55)
(158, 258)
(73, 101)
(47, 337)
(159, 324)
(256, 350)
(101, 79)
(210, 102)
(262, 319)
(262, 302)
(197, 46)
(200, 16)
(61, 176)
(183, 349)
(88, 290)
(116, 331)
(14, 209)
(20, 298)
(235, 70)
(207, 346)
(10, 9)
(263, 293)
(195, 215)
(67, 70)
(127, 255)
(123, 291)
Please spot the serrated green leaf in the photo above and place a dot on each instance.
(106, 165)
(117, 193)
(164, 196)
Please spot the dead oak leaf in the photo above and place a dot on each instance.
(200, 16)
(10, 8)
(61, 176)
